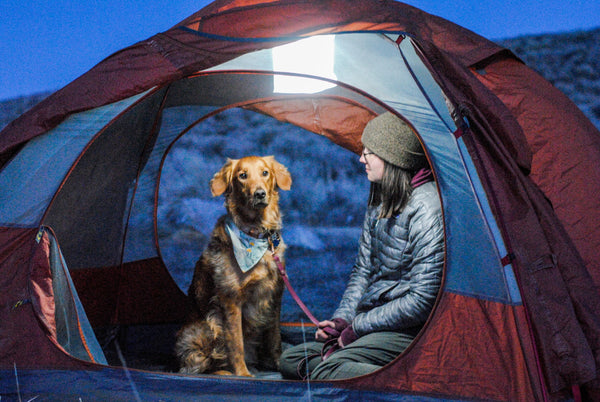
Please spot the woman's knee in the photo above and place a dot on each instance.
(324, 370)
(293, 360)
(288, 363)
(338, 369)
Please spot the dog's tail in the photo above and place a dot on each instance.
(200, 347)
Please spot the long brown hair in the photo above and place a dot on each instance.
(393, 192)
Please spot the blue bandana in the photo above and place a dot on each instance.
(248, 250)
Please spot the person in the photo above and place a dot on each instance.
(397, 274)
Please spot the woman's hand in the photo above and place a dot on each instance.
(330, 329)
(321, 335)
(347, 337)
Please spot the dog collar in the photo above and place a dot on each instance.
(248, 250)
(251, 231)
(273, 236)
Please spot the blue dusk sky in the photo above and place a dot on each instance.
(44, 45)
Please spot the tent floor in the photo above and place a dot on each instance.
(151, 347)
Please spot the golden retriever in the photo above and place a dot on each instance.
(236, 302)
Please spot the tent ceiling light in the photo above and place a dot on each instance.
(310, 56)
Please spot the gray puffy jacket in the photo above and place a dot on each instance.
(397, 274)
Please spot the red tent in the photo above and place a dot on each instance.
(516, 163)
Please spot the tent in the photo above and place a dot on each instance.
(516, 163)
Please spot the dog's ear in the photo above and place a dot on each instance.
(282, 176)
(222, 179)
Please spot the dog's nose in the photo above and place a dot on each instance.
(260, 194)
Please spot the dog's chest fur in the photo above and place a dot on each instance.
(263, 279)
(258, 277)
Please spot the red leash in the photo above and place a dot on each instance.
(295, 296)
(329, 346)
(274, 242)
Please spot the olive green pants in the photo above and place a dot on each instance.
(366, 354)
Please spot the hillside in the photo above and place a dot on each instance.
(570, 61)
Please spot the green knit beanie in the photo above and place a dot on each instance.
(394, 141)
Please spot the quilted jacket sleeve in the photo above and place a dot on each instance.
(360, 275)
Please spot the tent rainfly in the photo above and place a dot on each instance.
(516, 163)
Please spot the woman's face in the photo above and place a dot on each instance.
(374, 165)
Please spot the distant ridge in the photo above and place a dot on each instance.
(570, 61)
(10, 109)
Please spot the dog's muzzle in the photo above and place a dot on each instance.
(259, 198)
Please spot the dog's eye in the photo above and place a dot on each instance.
(243, 176)
(265, 173)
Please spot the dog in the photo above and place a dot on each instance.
(236, 289)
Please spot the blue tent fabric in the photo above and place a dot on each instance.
(73, 330)
(121, 384)
(36, 172)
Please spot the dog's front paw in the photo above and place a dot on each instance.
(222, 372)
(244, 373)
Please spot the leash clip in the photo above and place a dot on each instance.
(274, 240)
